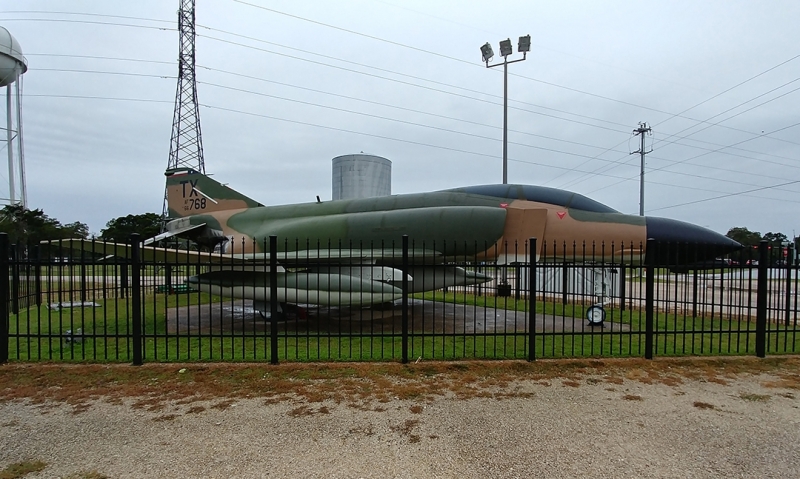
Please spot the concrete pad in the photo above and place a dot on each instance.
(239, 317)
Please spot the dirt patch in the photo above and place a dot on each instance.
(155, 385)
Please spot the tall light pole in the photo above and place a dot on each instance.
(506, 49)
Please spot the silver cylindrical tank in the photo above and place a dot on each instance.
(361, 176)
(12, 62)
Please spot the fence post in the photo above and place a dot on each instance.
(136, 301)
(694, 292)
(4, 306)
(273, 299)
(761, 300)
(789, 266)
(14, 270)
(83, 275)
(168, 279)
(532, 299)
(124, 278)
(404, 341)
(622, 286)
(37, 273)
(649, 294)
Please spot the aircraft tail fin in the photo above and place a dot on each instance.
(190, 192)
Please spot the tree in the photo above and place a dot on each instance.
(75, 230)
(744, 236)
(120, 229)
(25, 226)
(776, 239)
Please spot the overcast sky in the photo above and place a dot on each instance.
(286, 86)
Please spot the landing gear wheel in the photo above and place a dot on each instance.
(596, 315)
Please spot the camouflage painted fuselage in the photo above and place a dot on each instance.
(491, 222)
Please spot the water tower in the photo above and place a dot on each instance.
(361, 176)
(12, 66)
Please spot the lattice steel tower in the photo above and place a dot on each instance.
(186, 144)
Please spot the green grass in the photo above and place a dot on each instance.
(37, 334)
(21, 469)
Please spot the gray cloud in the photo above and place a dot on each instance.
(601, 66)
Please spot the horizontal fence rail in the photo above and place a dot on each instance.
(309, 300)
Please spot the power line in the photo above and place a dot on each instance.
(49, 12)
(314, 53)
(729, 89)
(552, 150)
(459, 60)
(539, 46)
(411, 110)
(587, 161)
(384, 70)
(147, 100)
(738, 143)
(432, 81)
(89, 22)
(574, 181)
(409, 83)
(429, 52)
(727, 195)
(94, 97)
(602, 120)
(353, 32)
(101, 72)
(301, 88)
(735, 107)
(743, 141)
(370, 115)
(439, 83)
(440, 147)
(95, 57)
(719, 150)
(402, 45)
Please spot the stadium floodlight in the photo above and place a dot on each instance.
(505, 48)
(487, 52)
(524, 44)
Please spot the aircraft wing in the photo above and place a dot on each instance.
(296, 259)
(335, 276)
(147, 253)
(170, 234)
(315, 257)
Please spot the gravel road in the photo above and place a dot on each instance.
(590, 427)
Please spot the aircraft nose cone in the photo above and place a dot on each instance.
(684, 243)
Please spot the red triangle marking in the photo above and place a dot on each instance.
(561, 214)
(503, 205)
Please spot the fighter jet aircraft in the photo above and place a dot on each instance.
(347, 252)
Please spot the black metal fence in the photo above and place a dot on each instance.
(404, 301)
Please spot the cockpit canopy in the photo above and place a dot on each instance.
(540, 194)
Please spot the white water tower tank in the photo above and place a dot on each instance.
(361, 176)
(12, 63)
(12, 66)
